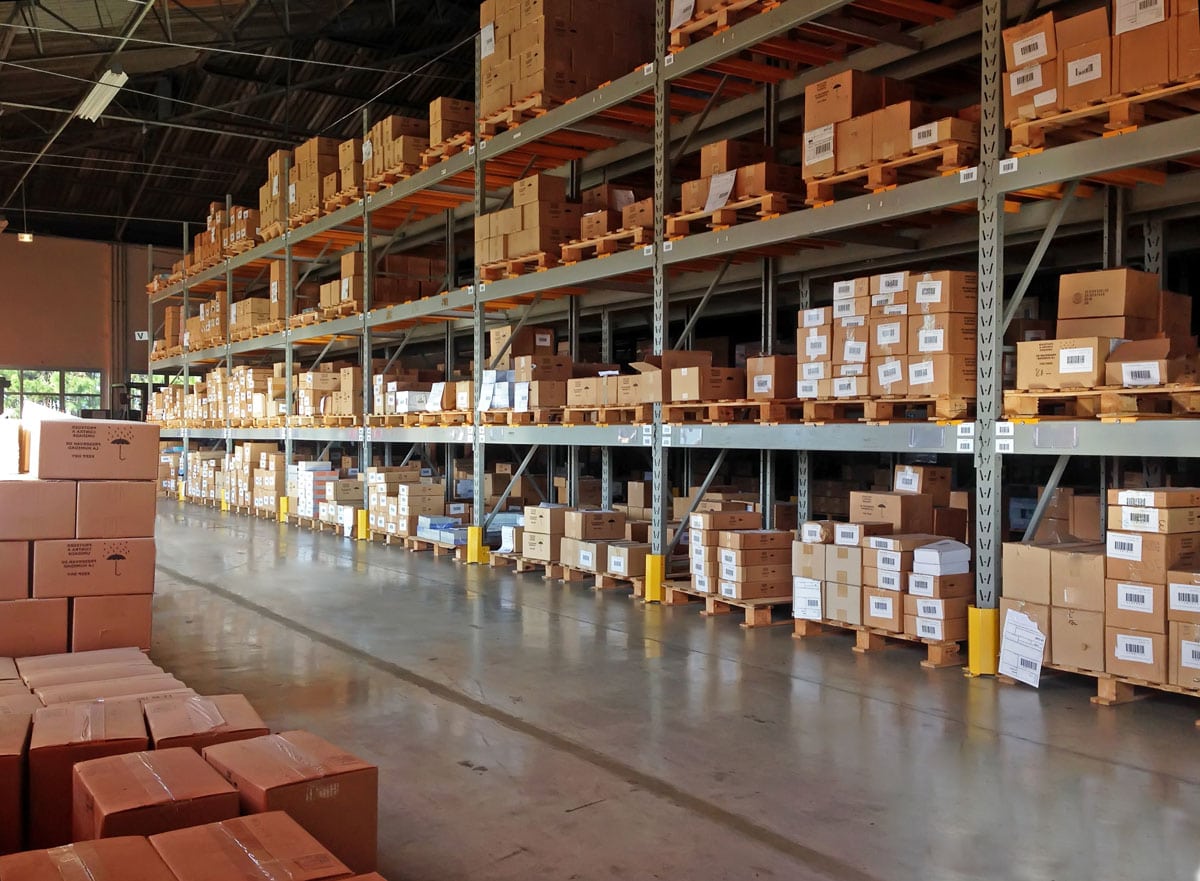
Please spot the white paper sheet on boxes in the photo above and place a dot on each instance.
(1021, 648)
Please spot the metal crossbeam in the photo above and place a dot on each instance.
(1039, 253)
(1044, 502)
(508, 489)
(704, 485)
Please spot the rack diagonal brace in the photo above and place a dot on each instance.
(1039, 253)
(1044, 502)
(508, 489)
(705, 484)
(513, 335)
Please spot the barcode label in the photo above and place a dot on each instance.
(854, 352)
(1184, 598)
(1129, 16)
(729, 591)
(1132, 598)
(1139, 649)
(890, 581)
(702, 583)
(811, 533)
(1122, 546)
(815, 346)
(930, 609)
(1139, 373)
(845, 387)
(274, 292)
(1030, 49)
(925, 134)
(1141, 519)
(852, 370)
(920, 373)
(814, 317)
(848, 534)
(487, 48)
(920, 585)
(728, 557)
(1075, 361)
(890, 372)
(843, 308)
(931, 341)
(888, 559)
(813, 370)
(1023, 81)
(896, 309)
(1084, 70)
(843, 290)
(1136, 499)
(929, 629)
(1028, 663)
(617, 564)
(893, 282)
(854, 321)
(763, 383)
(807, 389)
(728, 572)
(883, 300)
(907, 481)
(928, 292)
(818, 145)
(1189, 654)
(881, 607)
(887, 334)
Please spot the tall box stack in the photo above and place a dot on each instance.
(77, 536)
(315, 159)
(814, 353)
(942, 314)
(449, 117)
(850, 376)
(1144, 53)
(545, 526)
(394, 144)
(754, 564)
(1077, 600)
(1032, 71)
(940, 587)
(540, 220)
(808, 570)
(1152, 533)
(704, 537)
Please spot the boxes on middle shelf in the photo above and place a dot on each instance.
(540, 220)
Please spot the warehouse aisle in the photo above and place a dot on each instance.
(526, 729)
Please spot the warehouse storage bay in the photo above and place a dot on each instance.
(663, 438)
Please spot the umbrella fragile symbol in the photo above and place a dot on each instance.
(121, 438)
(116, 558)
(116, 553)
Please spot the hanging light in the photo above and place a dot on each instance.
(102, 94)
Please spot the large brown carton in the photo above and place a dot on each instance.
(1146, 363)
(627, 559)
(1109, 292)
(1026, 572)
(1031, 92)
(842, 602)
(883, 609)
(931, 480)
(32, 509)
(1143, 57)
(1030, 42)
(14, 570)
(33, 627)
(1078, 639)
(269, 846)
(1076, 577)
(1084, 58)
(112, 621)
(1147, 557)
(63, 736)
(91, 449)
(941, 375)
(948, 291)
(1113, 327)
(127, 689)
(840, 97)
(146, 793)
(891, 128)
(905, 511)
(1186, 36)
(771, 377)
(1062, 363)
(1183, 652)
(1135, 655)
(1183, 596)
(329, 792)
(197, 722)
(546, 519)
(1037, 612)
(14, 744)
(594, 525)
(708, 384)
(852, 142)
(946, 333)
(92, 673)
(1135, 606)
(103, 567)
(127, 859)
(115, 509)
(843, 565)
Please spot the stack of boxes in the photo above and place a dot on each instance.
(273, 195)
(315, 160)
(245, 315)
(586, 537)
(603, 210)
(77, 535)
(312, 485)
(394, 144)
(1031, 82)
(704, 540)
(753, 174)
(545, 526)
(754, 563)
(540, 220)
(449, 117)
(350, 166)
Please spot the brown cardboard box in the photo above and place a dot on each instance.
(114, 509)
(888, 375)
(1031, 92)
(1183, 653)
(546, 519)
(725, 520)
(126, 688)
(1183, 596)
(1135, 606)
(819, 532)
(33, 627)
(63, 736)
(542, 546)
(741, 558)
(1163, 521)
(1078, 638)
(707, 384)
(240, 848)
(843, 565)
(32, 509)
(1186, 36)
(1026, 572)
(1135, 654)
(1037, 612)
(107, 622)
(842, 602)
(840, 97)
(1076, 362)
(937, 608)
(808, 560)
(197, 722)
(592, 556)
(1147, 557)
(891, 561)
(1109, 292)
(883, 609)
(889, 335)
(627, 559)
(1030, 42)
(329, 792)
(147, 793)
(722, 156)
(884, 579)
(129, 859)
(771, 378)
(891, 128)
(1112, 326)
(1076, 577)
(763, 178)
(1156, 497)
(755, 539)
(1142, 58)
(1145, 362)
(946, 333)
(905, 511)
(594, 525)
(1085, 58)
(852, 142)
(941, 375)
(533, 368)
(14, 564)
(932, 480)
(103, 567)
(858, 533)
(14, 744)
(1084, 522)
(754, 589)
(29, 666)
(949, 291)
(91, 449)
(941, 586)
(638, 215)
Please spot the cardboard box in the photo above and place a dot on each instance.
(1076, 577)
(129, 859)
(1026, 572)
(934, 293)
(891, 561)
(329, 792)
(592, 556)
(946, 333)
(891, 128)
(755, 539)
(546, 519)
(147, 793)
(843, 565)
(754, 590)
(942, 586)
(739, 558)
(1145, 363)
(852, 142)
(114, 509)
(1142, 58)
(722, 156)
(883, 609)
(33, 627)
(240, 848)
(594, 525)
(941, 375)
(1186, 36)
(818, 531)
(106, 622)
(771, 378)
(29, 666)
(1062, 363)
(1157, 497)
(931, 480)
(724, 520)
(31, 509)
(936, 608)
(905, 511)
(883, 579)
(1147, 557)
(1078, 638)
(1159, 520)
(1084, 522)
(843, 602)
(1030, 42)
(1112, 327)
(808, 560)
(708, 384)
(542, 546)
(14, 743)
(627, 559)
(1135, 654)
(1183, 652)
(102, 567)
(14, 564)
(1109, 292)
(840, 97)
(63, 736)
(1085, 58)
(1037, 612)
(116, 690)
(197, 722)
(91, 449)
(941, 630)
(1135, 606)
(1031, 92)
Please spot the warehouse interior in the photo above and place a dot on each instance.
(663, 438)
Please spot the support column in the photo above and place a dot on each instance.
(366, 447)
(476, 550)
(289, 351)
(606, 356)
(183, 335)
(573, 463)
(803, 463)
(1155, 249)
(228, 331)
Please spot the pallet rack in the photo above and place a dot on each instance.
(1047, 187)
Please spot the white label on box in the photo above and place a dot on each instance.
(681, 12)
(728, 590)
(928, 292)
(701, 583)
(1189, 654)
(1084, 70)
(1030, 49)
(843, 308)
(890, 372)
(1075, 360)
(843, 290)
(855, 352)
(616, 563)
(274, 292)
(930, 628)
(1133, 598)
(487, 46)
(345, 289)
(883, 299)
(1139, 649)
(720, 187)
(852, 370)
(1021, 648)
(849, 534)
(275, 187)
(520, 397)
(814, 317)
(1139, 519)
(1043, 99)
(1135, 498)
(291, 194)
(881, 607)
(888, 559)
(907, 481)
(813, 370)
(931, 340)
(806, 389)
(728, 557)
(920, 373)
(1122, 546)
(845, 387)
(810, 533)
(890, 581)
(587, 559)
(728, 572)
(897, 309)
(924, 135)
(1022, 81)
(931, 609)
(1184, 598)
(1136, 373)
(368, 150)
(818, 145)
(1129, 15)
(920, 585)
(893, 282)
(543, 340)
(815, 346)
(854, 321)
(887, 334)
(762, 383)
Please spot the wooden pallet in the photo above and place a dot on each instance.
(439, 549)
(390, 420)
(516, 113)
(442, 417)
(676, 413)
(879, 176)
(883, 411)
(758, 612)
(566, 574)
(609, 243)
(342, 199)
(749, 209)
(539, 262)
(708, 23)
(1108, 403)
(536, 416)
(493, 417)
(450, 147)
(273, 231)
(763, 412)
(498, 560)
(305, 319)
(633, 415)
(939, 654)
(681, 593)
(341, 310)
(386, 538)
(388, 178)
(295, 221)
(270, 327)
(241, 246)
(1112, 690)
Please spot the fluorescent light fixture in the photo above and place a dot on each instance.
(25, 237)
(102, 94)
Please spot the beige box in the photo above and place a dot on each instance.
(843, 602)
(1135, 654)
(1076, 577)
(1078, 638)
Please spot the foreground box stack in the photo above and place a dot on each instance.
(587, 535)
(754, 564)
(539, 222)
(77, 536)
(394, 145)
(704, 540)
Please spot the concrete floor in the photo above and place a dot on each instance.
(532, 730)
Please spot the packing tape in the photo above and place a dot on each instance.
(140, 768)
(203, 715)
(70, 865)
(300, 762)
(247, 853)
(89, 723)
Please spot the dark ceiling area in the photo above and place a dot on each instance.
(214, 87)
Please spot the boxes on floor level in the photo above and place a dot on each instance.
(1077, 638)
(33, 627)
(90, 449)
(36, 509)
(115, 509)
(130, 859)
(111, 622)
(1135, 655)
(14, 740)
(102, 567)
